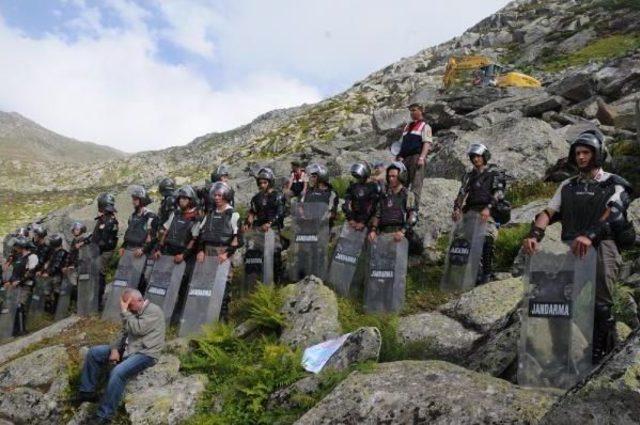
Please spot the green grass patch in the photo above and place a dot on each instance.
(610, 47)
(521, 193)
(620, 4)
(625, 148)
(622, 304)
(508, 244)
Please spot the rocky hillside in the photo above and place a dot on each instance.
(24, 141)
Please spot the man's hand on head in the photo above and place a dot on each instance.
(124, 304)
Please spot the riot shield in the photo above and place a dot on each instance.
(148, 268)
(88, 279)
(8, 311)
(464, 254)
(345, 259)
(385, 288)
(557, 319)
(127, 275)
(41, 288)
(206, 292)
(308, 252)
(164, 284)
(64, 296)
(258, 258)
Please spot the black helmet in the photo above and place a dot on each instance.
(55, 240)
(106, 202)
(592, 139)
(320, 171)
(360, 170)
(222, 170)
(187, 191)
(141, 193)
(78, 225)
(478, 148)
(22, 242)
(266, 173)
(402, 171)
(22, 231)
(166, 186)
(39, 231)
(223, 188)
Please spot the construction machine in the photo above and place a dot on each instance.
(482, 71)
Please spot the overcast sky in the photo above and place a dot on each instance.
(148, 74)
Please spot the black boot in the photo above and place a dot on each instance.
(485, 273)
(20, 326)
(604, 332)
(226, 299)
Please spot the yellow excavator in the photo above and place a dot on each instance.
(482, 71)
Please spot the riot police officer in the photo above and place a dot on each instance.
(482, 190)
(25, 265)
(267, 211)
(166, 187)
(320, 190)
(220, 174)
(53, 269)
(591, 208)
(361, 197)
(218, 234)
(396, 210)
(42, 249)
(105, 235)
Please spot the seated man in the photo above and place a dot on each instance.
(136, 348)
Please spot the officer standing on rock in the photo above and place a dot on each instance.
(361, 197)
(266, 211)
(592, 210)
(483, 191)
(414, 148)
(105, 235)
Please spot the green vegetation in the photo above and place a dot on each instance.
(622, 304)
(625, 148)
(340, 185)
(620, 4)
(521, 193)
(609, 47)
(508, 244)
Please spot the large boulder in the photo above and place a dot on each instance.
(633, 213)
(498, 353)
(575, 87)
(486, 307)
(611, 395)
(527, 213)
(33, 386)
(168, 404)
(421, 392)
(436, 336)
(625, 111)
(310, 310)
(165, 371)
(436, 203)
(12, 348)
(387, 119)
(363, 344)
(525, 147)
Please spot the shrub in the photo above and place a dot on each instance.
(508, 245)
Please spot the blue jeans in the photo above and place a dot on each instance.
(96, 361)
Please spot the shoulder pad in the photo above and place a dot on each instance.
(615, 179)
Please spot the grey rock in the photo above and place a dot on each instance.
(544, 104)
(311, 313)
(490, 118)
(285, 398)
(577, 41)
(526, 213)
(441, 116)
(36, 370)
(624, 111)
(525, 147)
(436, 336)
(363, 344)
(431, 392)
(576, 87)
(29, 406)
(610, 395)
(487, 307)
(387, 119)
(633, 214)
(178, 346)
(169, 404)
(498, 353)
(435, 209)
(165, 371)
(83, 415)
(13, 348)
